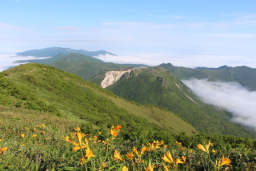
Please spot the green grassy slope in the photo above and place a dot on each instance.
(246, 76)
(46, 89)
(40, 106)
(42, 146)
(159, 87)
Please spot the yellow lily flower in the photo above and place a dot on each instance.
(178, 143)
(150, 167)
(178, 161)
(117, 155)
(124, 168)
(3, 149)
(168, 154)
(129, 155)
(168, 158)
(135, 151)
(113, 132)
(223, 162)
(77, 129)
(79, 137)
(89, 154)
(201, 147)
(82, 161)
(184, 158)
(143, 149)
(165, 168)
(103, 164)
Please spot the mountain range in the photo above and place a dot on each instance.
(161, 86)
(56, 115)
(243, 75)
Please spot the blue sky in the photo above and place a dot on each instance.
(190, 33)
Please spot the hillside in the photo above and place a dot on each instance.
(179, 100)
(246, 76)
(87, 67)
(53, 120)
(159, 87)
(45, 89)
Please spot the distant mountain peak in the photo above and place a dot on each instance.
(55, 51)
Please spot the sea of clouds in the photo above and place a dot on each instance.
(9, 60)
(230, 96)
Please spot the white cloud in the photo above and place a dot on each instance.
(133, 59)
(230, 96)
(182, 42)
(9, 60)
(187, 61)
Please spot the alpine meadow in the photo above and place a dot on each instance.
(127, 86)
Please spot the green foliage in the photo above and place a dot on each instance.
(45, 105)
(87, 67)
(45, 89)
(49, 150)
(159, 87)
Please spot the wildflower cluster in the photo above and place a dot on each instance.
(2, 149)
(105, 153)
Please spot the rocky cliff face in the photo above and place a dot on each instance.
(112, 76)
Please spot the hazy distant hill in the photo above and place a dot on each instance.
(87, 67)
(54, 51)
(244, 75)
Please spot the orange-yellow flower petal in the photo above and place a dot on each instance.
(225, 161)
(178, 143)
(143, 149)
(103, 164)
(178, 161)
(166, 159)
(150, 167)
(89, 153)
(117, 155)
(169, 156)
(124, 168)
(79, 137)
(76, 148)
(184, 159)
(3, 149)
(77, 129)
(113, 132)
(129, 155)
(135, 151)
(82, 161)
(201, 147)
(118, 127)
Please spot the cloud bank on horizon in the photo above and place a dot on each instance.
(229, 96)
(186, 61)
(9, 60)
(181, 31)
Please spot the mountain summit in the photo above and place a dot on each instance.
(54, 51)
